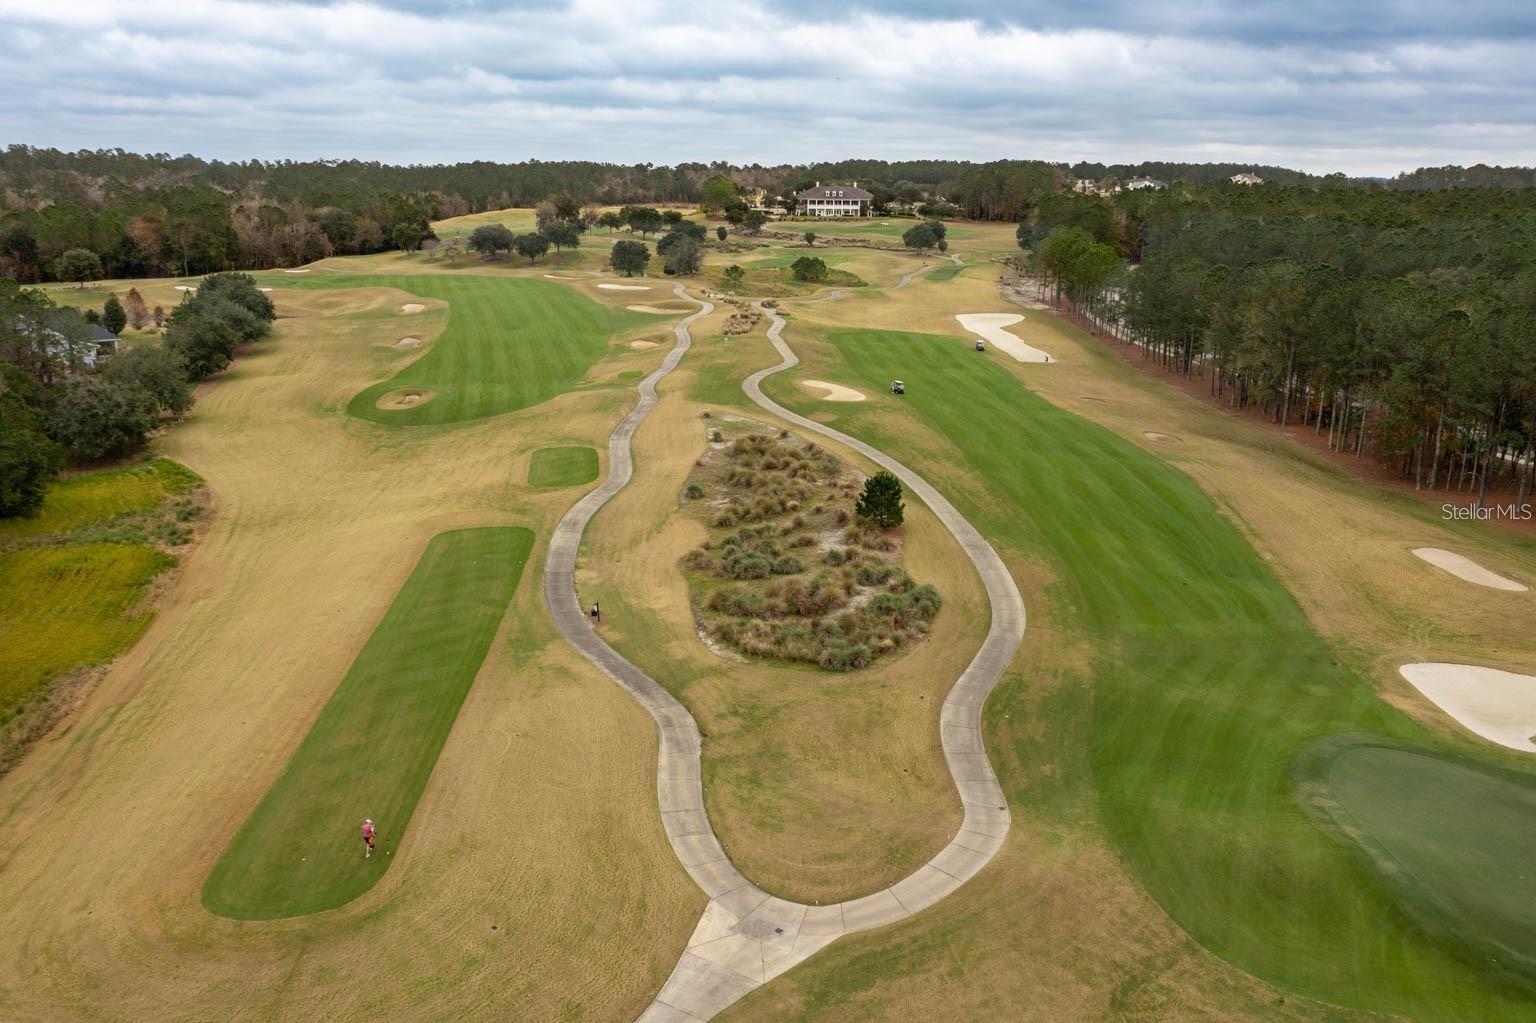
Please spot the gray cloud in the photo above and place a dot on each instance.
(1319, 87)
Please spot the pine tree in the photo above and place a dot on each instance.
(880, 502)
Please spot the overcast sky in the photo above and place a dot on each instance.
(1366, 88)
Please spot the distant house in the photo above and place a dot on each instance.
(833, 201)
(1138, 183)
(1246, 179)
(1085, 185)
(69, 337)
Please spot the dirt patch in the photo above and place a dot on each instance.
(407, 342)
(1466, 569)
(1166, 438)
(834, 392)
(412, 307)
(642, 344)
(406, 397)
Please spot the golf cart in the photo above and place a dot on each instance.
(981, 345)
(897, 387)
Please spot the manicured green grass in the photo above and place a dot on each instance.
(511, 342)
(562, 467)
(91, 497)
(67, 607)
(944, 273)
(373, 747)
(1207, 682)
(1454, 839)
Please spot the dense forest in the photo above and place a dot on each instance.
(1400, 323)
(155, 214)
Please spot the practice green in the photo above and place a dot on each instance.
(562, 467)
(373, 747)
(1207, 681)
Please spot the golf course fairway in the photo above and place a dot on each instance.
(511, 342)
(373, 747)
(1207, 680)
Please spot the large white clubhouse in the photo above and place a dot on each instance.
(833, 201)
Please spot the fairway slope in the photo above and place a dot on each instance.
(373, 747)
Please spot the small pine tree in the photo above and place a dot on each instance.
(113, 316)
(138, 312)
(880, 502)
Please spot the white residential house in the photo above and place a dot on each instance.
(1139, 183)
(1246, 179)
(833, 201)
(1085, 186)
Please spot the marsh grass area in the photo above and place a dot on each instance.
(788, 572)
(74, 580)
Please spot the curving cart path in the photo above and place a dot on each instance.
(746, 937)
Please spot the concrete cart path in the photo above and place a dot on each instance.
(746, 937)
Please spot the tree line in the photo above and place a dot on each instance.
(1401, 324)
(64, 400)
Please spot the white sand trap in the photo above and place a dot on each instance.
(1166, 438)
(559, 277)
(263, 289)
(186, 287)
(1498, 705)
(407, 342)
(1466, 568)
(990, 327)
(835, 392)
(304, 271)
(410, 397)
(642, 344)
(412, 307)
(653, 310)
(625, 287)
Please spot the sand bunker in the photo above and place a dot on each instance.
(654, 310)
(642, 344)
(1466, 568)
(412, 307)
(304, 271)
(1498, 705)
(263, 289)
(559, 277)
(408, 397)
(186, 287)
(1166, 438)
(835, 392)
(990, 327)
(407, 342)
(626, 287)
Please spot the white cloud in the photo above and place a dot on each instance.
(643, 80)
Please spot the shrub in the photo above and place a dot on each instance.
(693, 491)
(874, 574)
(788, 565)
(844, 656)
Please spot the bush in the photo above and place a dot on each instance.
(880, 502)
(874, 574)
(788, 565)
(809, 269)
(27, 458)
(158, 371)
(95, 418)
(693, 491)
(844, 656)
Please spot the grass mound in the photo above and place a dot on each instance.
(511, 342)
(788, 574)
(1453, 839)
(373, 747)
(562, 467)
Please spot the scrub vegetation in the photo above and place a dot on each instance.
(789, 573)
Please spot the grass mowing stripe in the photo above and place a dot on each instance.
(511, 342)
(373, 747)
(1208, 681)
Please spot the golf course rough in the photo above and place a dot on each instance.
(373, 747)
(1208, 683)
(510, 343)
